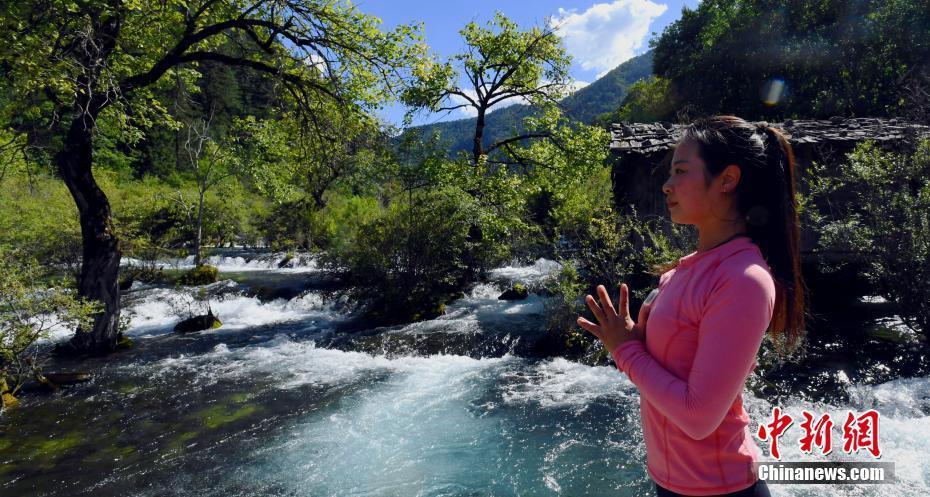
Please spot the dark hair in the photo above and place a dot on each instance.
(766, 197)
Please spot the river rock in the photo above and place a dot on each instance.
(67, 378)
(518, 292)
(198, 323)
(7, 399)
(200, 275)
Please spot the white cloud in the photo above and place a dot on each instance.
(607, 34)
(315, 61)
(577, 85)
(469, 111)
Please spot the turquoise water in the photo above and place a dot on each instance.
(273, 404)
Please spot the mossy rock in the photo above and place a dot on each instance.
(200, 275)
(288, 257)
(123, 342)
(7, 399)
(71, 378)
(430, 312)
(518, 292)
(891, 332)
(198, 323)
(412, 309)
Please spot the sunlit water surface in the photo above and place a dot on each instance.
(260, 407)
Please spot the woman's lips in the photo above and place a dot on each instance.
(671, 204)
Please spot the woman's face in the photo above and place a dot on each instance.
(687, 195)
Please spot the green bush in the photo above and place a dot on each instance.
(565, 305)
(876, 207)
(338, 223)
(155, 219)
(616, 248)
(299, 224)
(38, 217)
(288, 225)
(200, 275)
(27, 314)
(574, 204)
(418, 255)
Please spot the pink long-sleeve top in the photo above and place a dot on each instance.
(704, 330)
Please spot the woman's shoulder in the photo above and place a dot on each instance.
(745, 267)
(665, 276)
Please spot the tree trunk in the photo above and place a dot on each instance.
(99, 279)
(477, 148)
(198, 253)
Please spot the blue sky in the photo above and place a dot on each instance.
(599, 36)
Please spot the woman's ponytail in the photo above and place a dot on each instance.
(781, 238)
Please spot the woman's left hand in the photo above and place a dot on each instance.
(614, 328)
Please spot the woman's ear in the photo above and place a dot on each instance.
(729, 178)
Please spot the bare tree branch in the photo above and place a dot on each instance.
(516, 139)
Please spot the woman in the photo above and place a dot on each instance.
(734, 181)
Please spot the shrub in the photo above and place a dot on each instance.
(203, 274)
(574, 204)
(565, 305)
(877, 208)
(27, 314)
(617, 248)
(418, 255)
(38, 216)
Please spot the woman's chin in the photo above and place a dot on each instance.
(677, 220)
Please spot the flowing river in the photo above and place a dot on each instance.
(279, 402)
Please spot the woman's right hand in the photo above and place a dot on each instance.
(614, 325)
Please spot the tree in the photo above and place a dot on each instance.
(288, 159)
(883, 221)
(211, 163)
(647, 101)
(501, 63)
(824, 58)
(74, 62)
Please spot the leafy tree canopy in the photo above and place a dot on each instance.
(787, 58)
(501, 62)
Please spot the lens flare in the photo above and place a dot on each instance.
(773, 92)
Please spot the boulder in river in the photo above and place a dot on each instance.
(200, 275)
(6, 395)
(518, 292)
(198, 323)
(56, 380)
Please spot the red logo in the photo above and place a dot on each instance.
(819, 433)
(859, 432)
(774, 430)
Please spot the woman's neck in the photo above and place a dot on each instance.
(714, 237)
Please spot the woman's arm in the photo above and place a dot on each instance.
(731, 330)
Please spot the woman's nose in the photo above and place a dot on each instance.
(666, 189)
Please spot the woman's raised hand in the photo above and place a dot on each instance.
(614, 328)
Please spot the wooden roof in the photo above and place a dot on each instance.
(649, 138)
